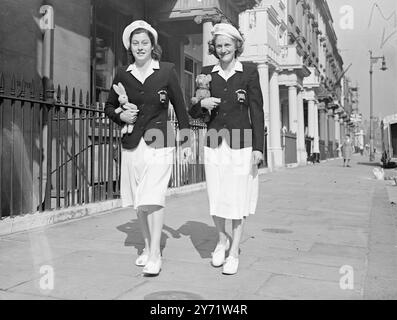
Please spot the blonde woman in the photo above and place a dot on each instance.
(235, 141)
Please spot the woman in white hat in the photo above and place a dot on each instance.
(235, 141)
(147, 152)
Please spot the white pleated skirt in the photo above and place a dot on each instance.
(145, 174)
(232, 181)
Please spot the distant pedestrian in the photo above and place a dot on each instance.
(347, 150)
(146, 165)
(367, 149)
(232, 158)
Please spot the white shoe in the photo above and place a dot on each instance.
(142, 259)
(231, 265)
(218, 256)
(152, 268)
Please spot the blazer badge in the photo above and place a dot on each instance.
(163, 95)
(241, 95)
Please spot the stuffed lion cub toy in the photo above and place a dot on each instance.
(203, 91)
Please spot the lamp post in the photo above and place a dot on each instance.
(373, 60)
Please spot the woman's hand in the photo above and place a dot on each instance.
(130, 106)
(210, 103)
(257, 157)
(129, 116)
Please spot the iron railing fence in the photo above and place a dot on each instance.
(183, 172)
(57, 152)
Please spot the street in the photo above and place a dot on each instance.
(321, 231)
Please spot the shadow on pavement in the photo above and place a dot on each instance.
(371, 164)
(202, 236)
(135, 239)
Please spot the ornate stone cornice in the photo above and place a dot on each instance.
(214, 18)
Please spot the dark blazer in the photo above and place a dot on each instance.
(238, 110)
(153, 113)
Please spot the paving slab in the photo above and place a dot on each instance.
(80, 284)
(298, 288)
(305, 270)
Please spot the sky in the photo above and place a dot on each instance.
(372, 26)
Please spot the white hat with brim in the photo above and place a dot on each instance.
(226, 29)
(137, 25)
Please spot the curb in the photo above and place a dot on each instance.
(186, 189)
(30, 221)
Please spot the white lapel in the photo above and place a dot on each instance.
(238, 67)
(142, 77)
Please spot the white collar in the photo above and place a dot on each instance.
(238, 67)
(154, 64)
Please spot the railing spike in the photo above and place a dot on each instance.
(1, 83)
(13, 85)
(87, 100)
(73, 97)
(66, 95)
(59, 94)
(81, 98)
(22, 94)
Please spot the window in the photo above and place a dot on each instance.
(105, 61)
(191, 70)
(107, 49)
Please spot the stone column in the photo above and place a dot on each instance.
(326, 130)
(275, 151)
(337, 133)
(332, 126)
(316, 143)
(300, 135)
(293, 109)
(311, 121)
(263, 70)
(331, 131)
(322, 122)
(342, 129)
(207, 27)
(323, 125)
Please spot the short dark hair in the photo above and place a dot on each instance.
(156, 52)
(239, 47)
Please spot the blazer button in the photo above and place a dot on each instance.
(224, 113)
(225, 89)
(142, 92)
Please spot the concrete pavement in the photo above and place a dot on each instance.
(310, 222)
